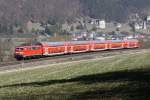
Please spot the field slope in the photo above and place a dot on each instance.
(124, 77)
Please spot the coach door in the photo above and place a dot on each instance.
(46, 51)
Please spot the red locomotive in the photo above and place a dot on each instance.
(59, 48)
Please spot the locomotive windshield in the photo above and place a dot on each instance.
(19, 49)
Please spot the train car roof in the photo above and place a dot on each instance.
(53, 43)
(73, 42)
(79, 42)
(76, 42)
(131, 40)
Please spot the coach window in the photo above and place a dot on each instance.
(35, 48)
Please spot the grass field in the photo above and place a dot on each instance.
(118, 78)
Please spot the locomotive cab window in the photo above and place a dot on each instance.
(35, 48)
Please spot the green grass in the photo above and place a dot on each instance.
(118, 78)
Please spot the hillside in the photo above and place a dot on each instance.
(117, 78)
(18, 12)
(116, 10)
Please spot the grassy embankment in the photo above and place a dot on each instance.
(118, 78)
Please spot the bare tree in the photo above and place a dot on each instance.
(6, 49)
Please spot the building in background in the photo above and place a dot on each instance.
(102, 24)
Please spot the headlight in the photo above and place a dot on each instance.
(19, 53)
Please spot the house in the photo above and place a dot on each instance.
(102, 24)
(137, 26)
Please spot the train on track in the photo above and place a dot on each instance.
(59, 48)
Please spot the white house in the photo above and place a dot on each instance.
(137, 26)
(101, 24)
(148, 18)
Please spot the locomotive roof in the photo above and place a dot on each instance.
(27, 46)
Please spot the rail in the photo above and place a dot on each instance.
(65, 58)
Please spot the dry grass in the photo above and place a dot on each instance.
(118, 78)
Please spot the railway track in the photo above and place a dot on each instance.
(64, 58)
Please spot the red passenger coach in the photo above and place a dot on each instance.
(59, 48)
(79, 46)
(54, 48)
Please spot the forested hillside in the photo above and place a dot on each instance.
(117, 10)
(18, 12)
